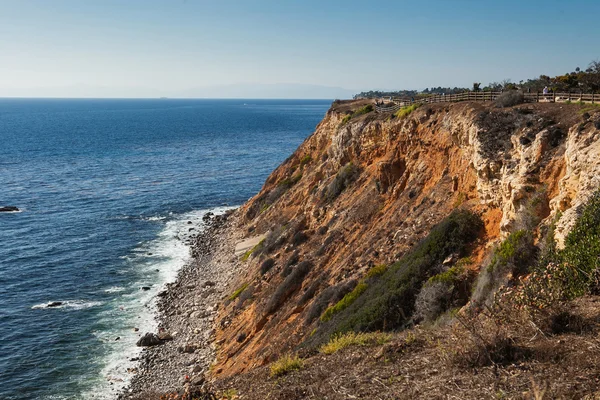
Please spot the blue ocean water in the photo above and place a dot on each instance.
(107, 188)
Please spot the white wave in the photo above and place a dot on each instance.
(157, 218)
(114, 289)
(74, 304)
(134, 312)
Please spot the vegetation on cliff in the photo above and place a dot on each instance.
(388, 301)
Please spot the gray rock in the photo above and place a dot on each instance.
(8, 209)
(198, 380)
(149, 339)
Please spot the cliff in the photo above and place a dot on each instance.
(366, 188)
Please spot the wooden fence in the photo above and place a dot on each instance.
(551, 97)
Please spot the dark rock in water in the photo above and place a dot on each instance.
(8, 209)
(55, 304)
(145, 287)
(190, 222)
(117, 338)
(149, 339)
(207, 216)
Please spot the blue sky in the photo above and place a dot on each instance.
(148, 47)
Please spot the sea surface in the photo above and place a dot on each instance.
(106, 189)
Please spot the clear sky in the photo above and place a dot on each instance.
(173, 47)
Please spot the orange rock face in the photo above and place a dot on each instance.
(361, 192)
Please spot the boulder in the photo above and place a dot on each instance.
(149, 339)
(165, 336)
(8, 209)
(198, 381)
(55, 304)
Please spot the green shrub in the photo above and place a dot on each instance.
(345, 302)
(341, 341)
(361, 111)
(406, 111)
(568, 273)
(286, 364)
(332, 294)
(376, 271)
(448, 277)
(388, 302)
(305, 160)
(581, 255)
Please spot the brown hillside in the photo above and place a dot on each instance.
(364, 189)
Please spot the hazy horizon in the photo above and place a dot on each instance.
(232, 91)
(309, 49)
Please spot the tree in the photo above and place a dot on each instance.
(476, 86)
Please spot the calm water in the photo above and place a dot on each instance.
(107, 188)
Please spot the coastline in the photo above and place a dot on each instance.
(187, 310)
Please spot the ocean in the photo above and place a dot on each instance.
(106, 190)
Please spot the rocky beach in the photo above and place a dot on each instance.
(184, 346)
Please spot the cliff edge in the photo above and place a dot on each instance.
(364, 188)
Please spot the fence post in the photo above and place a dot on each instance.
(538, 96)
(554, 96)
(593, 96)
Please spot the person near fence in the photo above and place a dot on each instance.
(545, 91)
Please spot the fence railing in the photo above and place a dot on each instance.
(400, 102)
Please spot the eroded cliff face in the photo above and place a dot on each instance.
(362, 192)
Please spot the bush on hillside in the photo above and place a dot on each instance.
(289, 265)
(310, 292)
(388, 302)
(509, 98)
(343, 179)
(581, 255)
(299, 238)
(292, 283)
(444, 291)
(266, 266)
(406, 111)
(513, 257)
(331, 294)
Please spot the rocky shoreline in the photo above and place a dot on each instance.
(187, 311)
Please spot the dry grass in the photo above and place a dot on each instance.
(342, 341)
(286, 364)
